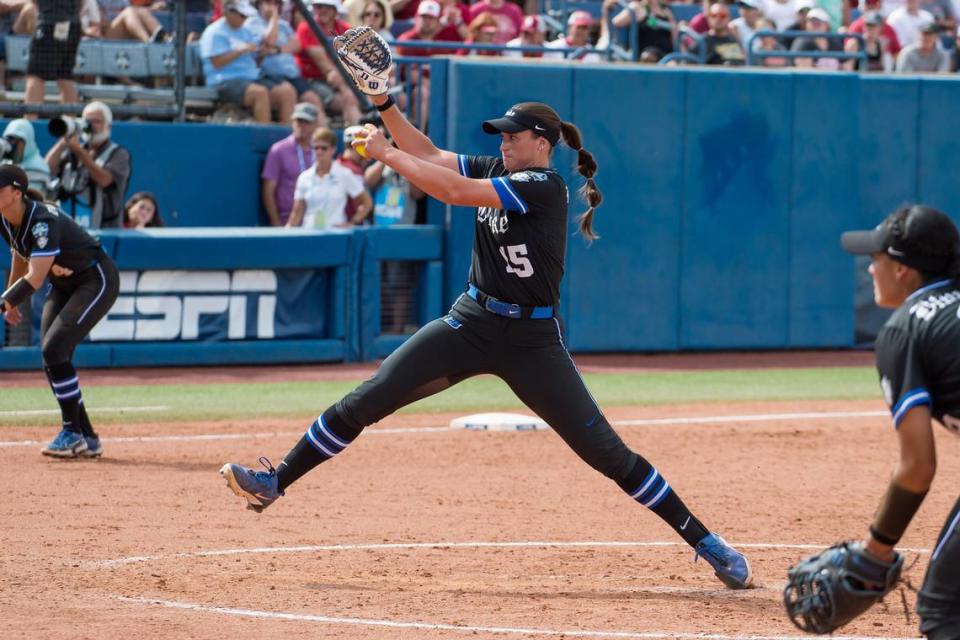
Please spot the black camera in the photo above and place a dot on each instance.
(8, 149)
(65, 126)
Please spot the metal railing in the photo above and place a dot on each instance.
(754, 55)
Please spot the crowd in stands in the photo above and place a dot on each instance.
(264, 57)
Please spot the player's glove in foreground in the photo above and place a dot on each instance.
(367, 57)
(258, 487)
(828, 590)
(730, 565)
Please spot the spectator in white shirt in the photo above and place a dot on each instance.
(578, 35)
(749, 21)
(908, 20)
(323, 190)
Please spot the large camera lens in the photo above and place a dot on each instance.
(62, 126)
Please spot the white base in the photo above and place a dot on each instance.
(499, 422)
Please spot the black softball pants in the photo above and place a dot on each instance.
(529, 355)
(74, 307)
(938, 602)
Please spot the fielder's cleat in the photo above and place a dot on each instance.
(67, 444)
(258, 487)
(94, 448)
(730, 565)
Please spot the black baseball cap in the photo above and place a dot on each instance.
(516, 119)
(916, 235)
(11, 174)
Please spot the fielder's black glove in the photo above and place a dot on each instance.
(828, 590)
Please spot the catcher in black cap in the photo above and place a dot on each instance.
(506, 322)
(916, 263)
(44, 241)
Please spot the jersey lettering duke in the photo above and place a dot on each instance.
(918, 358)
(518, 250)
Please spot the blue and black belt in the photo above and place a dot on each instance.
(508, 309)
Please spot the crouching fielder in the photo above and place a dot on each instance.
(916, 263)
(505, 323)
(84, 285)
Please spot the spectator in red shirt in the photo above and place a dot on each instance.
(404, 9)
(509, 17)
(316, 66)
(456, 14)
(886, 31)
(426, 27)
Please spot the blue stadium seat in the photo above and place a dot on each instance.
(124, 59)
(161, 60)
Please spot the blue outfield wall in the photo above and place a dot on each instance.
(248, 296)
(725, 193)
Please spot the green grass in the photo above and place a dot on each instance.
(300, 399)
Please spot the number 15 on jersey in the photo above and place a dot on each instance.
(517, 261)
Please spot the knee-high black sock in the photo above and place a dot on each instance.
(325, 438)
(66, 389)
(645, 485)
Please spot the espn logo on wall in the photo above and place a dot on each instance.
(191, 305)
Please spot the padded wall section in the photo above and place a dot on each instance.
(825, 199)
(622, 289)
(736, 226)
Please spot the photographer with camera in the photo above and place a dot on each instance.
(19, 146)
(90, 171)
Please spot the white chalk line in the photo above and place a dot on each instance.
(472, 629)
(694, 420)
(383, 546)
(55, 412)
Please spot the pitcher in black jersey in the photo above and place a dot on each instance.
(505, 323)
(84, 284)
(915, 269)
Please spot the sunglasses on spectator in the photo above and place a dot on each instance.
(719, 14)
(371, 14)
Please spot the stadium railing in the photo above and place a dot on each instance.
(754, 55)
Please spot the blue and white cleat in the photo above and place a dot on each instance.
(94, 448)
(730, 565)
(258, 487)
(67, 444)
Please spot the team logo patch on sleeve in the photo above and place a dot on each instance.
(40, 232)
(528, 176)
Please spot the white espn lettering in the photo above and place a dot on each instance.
(185, 297)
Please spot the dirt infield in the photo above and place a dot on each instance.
(437, 534)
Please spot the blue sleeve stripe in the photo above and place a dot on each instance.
(913, 399)
(463, 165)
(508, 197)
(44, 254)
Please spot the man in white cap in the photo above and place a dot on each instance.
(744, 26)
(426, 26)
(228, 51)
(316, 66)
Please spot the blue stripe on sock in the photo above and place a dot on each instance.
(324, 440)
(666, 491)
